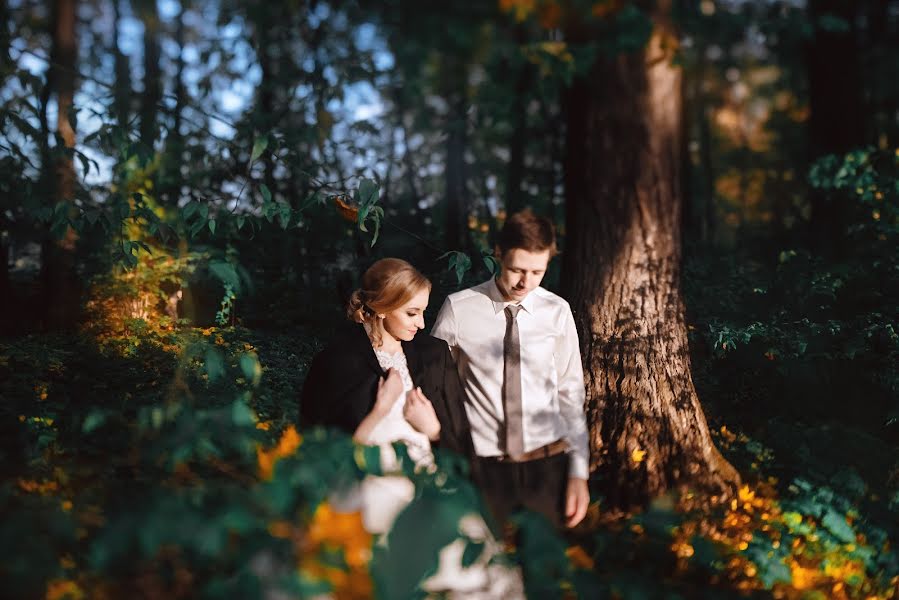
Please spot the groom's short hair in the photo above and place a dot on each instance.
(529, 232)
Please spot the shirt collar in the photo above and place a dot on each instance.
(500, 303)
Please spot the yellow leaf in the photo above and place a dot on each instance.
(745, 494)
(579, 557)
(521, 8)
(287, 445)
(638, 455)
(280, 529)
(58, 589)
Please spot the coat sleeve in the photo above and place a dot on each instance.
(455, 430)
(335, 394)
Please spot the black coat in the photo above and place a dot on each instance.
(342, 383)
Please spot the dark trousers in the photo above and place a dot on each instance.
(538, 485)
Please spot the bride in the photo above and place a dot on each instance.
(383, 382)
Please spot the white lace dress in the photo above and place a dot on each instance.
(383, 497)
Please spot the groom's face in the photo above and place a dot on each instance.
(522, 271)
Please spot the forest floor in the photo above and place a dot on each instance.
(816, 516)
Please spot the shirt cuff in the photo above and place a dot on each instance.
(578, 465)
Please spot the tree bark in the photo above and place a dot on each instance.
(621, 270)
(60, 285)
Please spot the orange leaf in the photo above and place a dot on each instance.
(348, 212)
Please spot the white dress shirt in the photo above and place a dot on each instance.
(473, 323)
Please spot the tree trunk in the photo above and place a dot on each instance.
(61, 289)
(5, 285)
(152, 95)
(171, 190)
(698, 181)
(517, 142)
(621, 270)
(6, 66)
(835, 120)
(881, 44)
(123, 90)
(456, 196)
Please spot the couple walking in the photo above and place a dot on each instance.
(499, 380)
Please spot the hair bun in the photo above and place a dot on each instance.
(355, 307)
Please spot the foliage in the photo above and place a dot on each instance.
(204, 488)
(821, 328)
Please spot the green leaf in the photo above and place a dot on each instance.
(473, 551)
(240, 221)
(792, 519)
(836, 524)
(95, 419)
(189, 209)
(211, 225)
(92, 215)
(225, 272)
(491, 263)
(215, 366)
(377, 215)
(266, 193)
(833, 24)
(458, 262)
(361, 216)
(242, 415)
(284, 214)
(251, 368)
(367, 193)
(259, 147)
(197, 226)
(85, 163)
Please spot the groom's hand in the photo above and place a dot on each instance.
(577, 498)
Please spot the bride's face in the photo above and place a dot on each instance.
(404, 322)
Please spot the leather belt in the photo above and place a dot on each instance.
(551, 449)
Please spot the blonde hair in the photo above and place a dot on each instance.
(386, 286)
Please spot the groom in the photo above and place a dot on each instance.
(516, 348)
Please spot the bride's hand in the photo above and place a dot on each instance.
(420, 413)
(390, 388)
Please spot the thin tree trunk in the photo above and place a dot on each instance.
(175, 139)
(5, 233)
(515, 174)
(621, 269)
(5, 286)
(835, 119)
(6, 66)
(456, 197)
(882, 42)
(408, 161)
(152, 94)
(61, 290)
(698, 187)
(123, 92)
